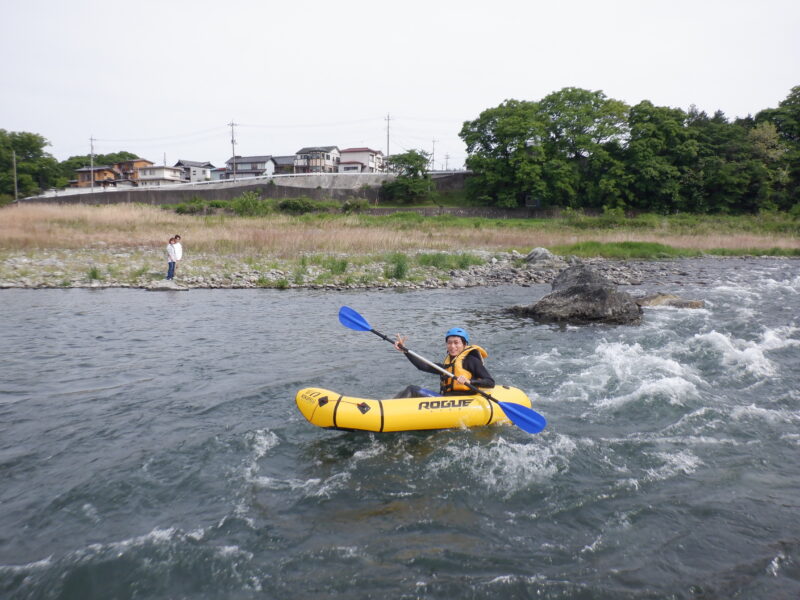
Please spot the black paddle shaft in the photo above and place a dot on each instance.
(434, 365)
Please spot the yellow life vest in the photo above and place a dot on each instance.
(455, 364)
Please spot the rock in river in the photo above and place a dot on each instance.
(581, 295)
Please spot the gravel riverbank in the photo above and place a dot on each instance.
(99, 268)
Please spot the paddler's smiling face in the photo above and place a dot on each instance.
(454, 345)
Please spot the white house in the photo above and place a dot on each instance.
(249, 166)
(194, 170)
(317, 159)
(159, 175)
(361, 160)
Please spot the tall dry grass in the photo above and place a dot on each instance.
(126, 226)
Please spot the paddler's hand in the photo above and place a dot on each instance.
(401, 342)
(462, 380)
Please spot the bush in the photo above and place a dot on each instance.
(397, 266)
(337, 266)
(354, 205)
(249, 204)
(191, 208)
(407, 190)
(297, 206)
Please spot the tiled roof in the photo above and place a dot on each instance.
(194, 163)
(263, 158)
(360, 150)
(308, 149)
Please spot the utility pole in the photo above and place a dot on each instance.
(388, 118)
(233, 147)
(14, 160)
(433, 155)
(91, 161)
(446, 158)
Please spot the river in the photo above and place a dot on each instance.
(150, 447)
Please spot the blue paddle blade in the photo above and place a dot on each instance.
(350, 318)
(523, 417)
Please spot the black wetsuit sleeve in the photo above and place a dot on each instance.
(480, 376)
(422, 366)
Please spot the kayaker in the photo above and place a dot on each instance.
(465, 361)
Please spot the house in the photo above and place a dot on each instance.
(219, 173)
(129, 169)
(160, 175)
(284, 165)
(249, 166)
(361, 160)
(194, 170)
(317, 159)
(102, 175)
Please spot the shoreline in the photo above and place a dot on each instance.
(138, 269)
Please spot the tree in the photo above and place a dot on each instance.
(412, 184)
(68, 167)
(659, 150)
(542, 152)
(36, 169)
(413, 163)
(786, 119)
(505, 152)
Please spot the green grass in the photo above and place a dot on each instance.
(654, 251)
(444, 261)
(624, 250)
(755, 252)
(396, 266)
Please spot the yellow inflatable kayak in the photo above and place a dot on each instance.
(330, 410)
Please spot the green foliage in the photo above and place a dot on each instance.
(93, 274)
(337, 266)
(444, 261)
(354, 205)
(578, 149)
(250, 204)
(412, 164)
(396, 266)
(412, 184)
(195, 207)
(36, 170)
(297, 206)
(623, 250)
(793, 252)
(406, 190)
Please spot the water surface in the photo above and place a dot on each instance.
(150, 447)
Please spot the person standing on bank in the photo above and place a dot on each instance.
(171, 258)
(178, 250)
(463, 360)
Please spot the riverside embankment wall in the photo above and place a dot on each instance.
(322, 186)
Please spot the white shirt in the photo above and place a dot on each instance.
(171, 252)
(178, 251)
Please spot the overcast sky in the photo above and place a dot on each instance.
(164, 77)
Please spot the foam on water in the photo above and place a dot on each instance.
(734, 352)
(751, 411)
(674, 390)
(506, 466)
(620, 373)
(673, 463)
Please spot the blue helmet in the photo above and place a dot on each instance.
(462, 333)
